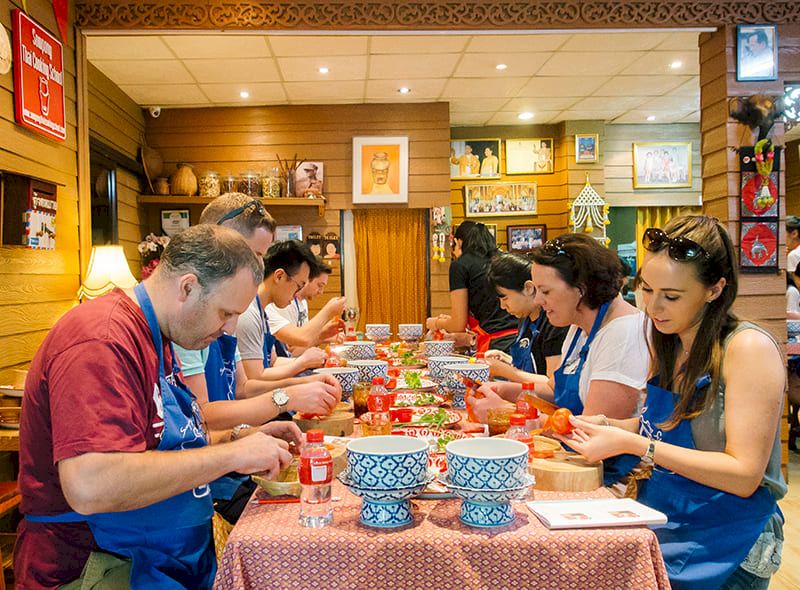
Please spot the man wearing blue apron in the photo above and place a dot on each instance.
(113, 454)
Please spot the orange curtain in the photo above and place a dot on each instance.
(390, 265)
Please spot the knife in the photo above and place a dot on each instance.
(537, 402)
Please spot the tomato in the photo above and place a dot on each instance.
(307, 416)
(559, 421)
(393, 372)
(391, 384)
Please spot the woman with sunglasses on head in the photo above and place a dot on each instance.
(473, 304)
(709, 431)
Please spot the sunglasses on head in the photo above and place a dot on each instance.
(255, 204)
(679, 248)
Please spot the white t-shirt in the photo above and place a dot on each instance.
(792, 259)
(792, 299)
(618, 353)
(294, 314)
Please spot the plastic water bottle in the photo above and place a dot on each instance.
(315, 474)
(517, 432)
(379, 400)
(527, 409)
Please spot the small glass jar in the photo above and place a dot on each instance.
(271, 184)
(360, 395)
(228, 184)
(499, 420)
(209, 185)
(250, 184)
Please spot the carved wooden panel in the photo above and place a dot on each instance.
(427, 15)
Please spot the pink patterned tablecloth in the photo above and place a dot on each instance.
(268, 549)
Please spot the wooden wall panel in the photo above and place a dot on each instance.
(37, 287)
(792, 165)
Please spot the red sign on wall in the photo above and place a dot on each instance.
(39, 102)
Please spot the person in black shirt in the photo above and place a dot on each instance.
(536, 352)
(473, 304)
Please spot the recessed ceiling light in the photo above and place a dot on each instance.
(404, 90)
(500, 67)
(244, 94)
(651, 118)
(677, 64)
(323, 70)
(525, 116)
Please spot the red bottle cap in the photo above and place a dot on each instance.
(517, 420)
(315, 436)
(528, 386)
(377, 381)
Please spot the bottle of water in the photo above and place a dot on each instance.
(525, 407)
(315, 474)
(518, 432)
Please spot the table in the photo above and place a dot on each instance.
(269, 549)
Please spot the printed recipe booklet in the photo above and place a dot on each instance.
(578, 514)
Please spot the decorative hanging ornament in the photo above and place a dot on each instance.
(765, 158)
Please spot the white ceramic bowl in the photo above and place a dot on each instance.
(436, 364)
(409, 331)
(387, 462)
(377, 332)
(475, 371)
(346, 376)
(358, 350)
(369, 369)
(437, 348)
(487, 463)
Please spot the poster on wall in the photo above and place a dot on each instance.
(380, 170)
(39, 101)
(758, 246)
(40, 221)
(474, 158)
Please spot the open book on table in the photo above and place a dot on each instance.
(591, 513)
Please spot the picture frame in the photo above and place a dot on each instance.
(500, 199)
(756, 53)
(586, 147)
(308, 179)
(288, 232)
(529, 156)
(475, 158)
(380, 170)
(314, 242)
(758, 247)
(331, 249)
(665, 164)
(174, 221)
(524, 238)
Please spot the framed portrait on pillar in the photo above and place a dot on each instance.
(380, 170)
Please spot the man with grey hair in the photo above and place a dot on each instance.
(114, 459)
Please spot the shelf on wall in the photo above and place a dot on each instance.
(183, 200)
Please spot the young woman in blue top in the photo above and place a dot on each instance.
(709, 430)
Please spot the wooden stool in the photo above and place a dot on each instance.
(9, 499)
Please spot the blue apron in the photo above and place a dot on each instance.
(269, 340)
(220, 373)
(567, 395)
(522, 349)
(710, 532)
(169, 542)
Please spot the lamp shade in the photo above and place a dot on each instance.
(108, 268)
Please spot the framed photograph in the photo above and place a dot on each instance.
(500, 199)
(586, 146)
(174, 221)
(380, 170)
(474, 158)
(666, 164)
(756, 53)
(288, 232)
(308, 179)
(524, 238)
(529, 156)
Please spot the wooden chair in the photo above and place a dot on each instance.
(9, 499)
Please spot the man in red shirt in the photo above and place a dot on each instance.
(104, 402)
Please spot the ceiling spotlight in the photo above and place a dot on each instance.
(500, 67)
(323, 70)
(651, 117)
(404, 90)
(525, 116)
(677, 64)
(244, 94)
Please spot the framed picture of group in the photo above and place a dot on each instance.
(666, 164)
(524, 238)
(500, 199)
(474, 158)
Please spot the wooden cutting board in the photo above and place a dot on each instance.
(337, 423)
(565, 472)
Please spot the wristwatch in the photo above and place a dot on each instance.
(649, 457)
(281, 399)
(237, 430)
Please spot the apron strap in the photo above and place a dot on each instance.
(155, 331)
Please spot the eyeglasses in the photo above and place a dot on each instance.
(296, 284)
(680, 248)
(255, 204)
(555, 247)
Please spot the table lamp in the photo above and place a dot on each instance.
(108, 268)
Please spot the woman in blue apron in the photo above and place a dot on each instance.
(536, 351)
(709, 431)
(169, 542)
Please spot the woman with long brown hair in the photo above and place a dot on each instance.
(709, 431)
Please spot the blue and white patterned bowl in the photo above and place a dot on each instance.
(369, 369)
(409, 331)
(377, 332)
(358, 350)
(475, 371)
(385, 508)
(487, 463)
(487, 508)
(436, 364)
(387, 462)
(437, 348)
(346, 376)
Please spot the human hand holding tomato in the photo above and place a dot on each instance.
(596, 442)
(559, 422)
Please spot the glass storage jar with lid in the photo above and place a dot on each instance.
(250, 184)
(209, 184)
(228, 184)
(271, 183)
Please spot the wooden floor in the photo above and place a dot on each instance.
(788, 577)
